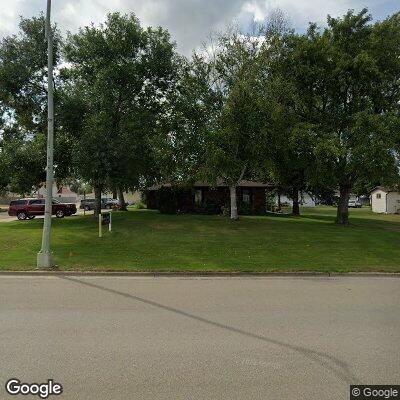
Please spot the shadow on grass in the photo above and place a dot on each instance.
(147, 217)
(55, 222)
(278, 215)
(356, 220)
(327, 218)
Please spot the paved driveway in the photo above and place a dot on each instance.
(220, 338)
(4, 217)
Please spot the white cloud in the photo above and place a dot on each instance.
(258, 10)
(8, 16)
(189, 21)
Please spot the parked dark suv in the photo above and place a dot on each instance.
(30, 208)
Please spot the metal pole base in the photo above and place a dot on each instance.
(45, 260)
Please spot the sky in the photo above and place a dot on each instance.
(189, 21)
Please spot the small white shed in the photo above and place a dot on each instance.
(385, 200)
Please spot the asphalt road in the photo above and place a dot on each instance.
(200, 338)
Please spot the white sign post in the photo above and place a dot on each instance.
(100, 225)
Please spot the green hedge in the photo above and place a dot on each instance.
(208, 207)
(168, 198)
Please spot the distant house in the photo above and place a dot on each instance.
(63, 194)
(251, 196)
(385, 200)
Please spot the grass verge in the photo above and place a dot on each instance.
(145, 240)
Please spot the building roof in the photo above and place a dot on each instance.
(220, 183)
(386, 189)
(66, 190)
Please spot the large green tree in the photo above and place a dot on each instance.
(287, 138)
(346, 85)
(23, 107)
(123, 72)
(228, 128)
(190, 112)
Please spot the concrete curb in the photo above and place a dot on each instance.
(200, 274)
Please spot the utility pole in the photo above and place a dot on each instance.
(45, 256)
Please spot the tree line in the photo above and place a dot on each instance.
(315, 112)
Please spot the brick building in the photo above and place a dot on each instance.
(250, 196)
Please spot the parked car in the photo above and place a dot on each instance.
(87, 204)
(353, 203)
(30, 208)
(108, 203)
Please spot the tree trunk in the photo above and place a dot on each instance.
(296, 205)
(234, 210)
(279, 201)
(121, 200)
(342, 217)
(84, 198)
(97, 201)
(114, 194)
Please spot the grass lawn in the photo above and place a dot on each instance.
(148, 241)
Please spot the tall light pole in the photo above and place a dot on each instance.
(45, 256)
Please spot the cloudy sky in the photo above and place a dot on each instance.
(189, 21)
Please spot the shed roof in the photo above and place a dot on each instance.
(386, 189)
(65, 190)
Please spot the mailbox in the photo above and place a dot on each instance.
(105, 218)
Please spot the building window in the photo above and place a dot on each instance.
(198, 196)
(378, 196)
(40, 202)
(246, 196)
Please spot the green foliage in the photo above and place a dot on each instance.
(5, 171)
(270, 202)
(341, 93)
(233, 142)
(316, 111)
(140, 206)
(78, 186)
(168, 199)
(245, 209)
(226, 211)
(119, 76)
(356, 138)
(183, 134)
(208, 207)
(23, 108)
(21, 162)
(23, 74)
